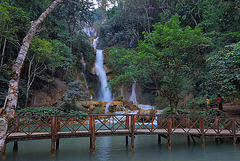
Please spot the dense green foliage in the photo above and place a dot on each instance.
(55, 52)
(219, 20)
(75, 93)
(176, 59)
(47, 111)
(166, 61)
(224, 73)
(212, 112)
(178, 51)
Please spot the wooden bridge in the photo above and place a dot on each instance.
(129, 125)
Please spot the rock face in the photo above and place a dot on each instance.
(50, 95)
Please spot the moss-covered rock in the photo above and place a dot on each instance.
(151, 111)
(115, 106)
(98, 107)
(129, 105)
(119, 98)
(146, 112)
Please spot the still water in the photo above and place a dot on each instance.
(114, 148)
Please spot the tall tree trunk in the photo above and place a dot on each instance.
(175, 106)
(12, 97)
(3, 51)
(171, 105)
(28, 81)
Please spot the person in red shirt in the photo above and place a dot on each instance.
(220, 107)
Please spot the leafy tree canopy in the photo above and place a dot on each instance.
(166, 60)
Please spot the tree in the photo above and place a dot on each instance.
(12, 97)
(224, 72)
(75, 93)
(166, 61)
(125, 27)
(43, 55)
(76, 12)
(13, 22)
(220, 21)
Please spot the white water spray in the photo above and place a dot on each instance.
(107, 107)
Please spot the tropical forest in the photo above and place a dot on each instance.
(115, 60)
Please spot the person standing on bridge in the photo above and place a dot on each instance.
(208, 103)
(220, 107)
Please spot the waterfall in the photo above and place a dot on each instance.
(84, 70)
(133, 97)
(104, 93)
(90, 31)
(107, 107)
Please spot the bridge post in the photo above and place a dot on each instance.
(92, 138)
(234, 132)
(127, 127)
(216, 122)
(202, 131)
(16, 124)
(159, 139)
(188, 126)
(187, 122)
(188, 139)
(132, 131)
(169, 132)
(159, 135)
(53, 139)
(57, 129)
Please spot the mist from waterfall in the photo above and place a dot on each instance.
(104, 93)
(133, 97)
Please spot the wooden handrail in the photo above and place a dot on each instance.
(130, 122)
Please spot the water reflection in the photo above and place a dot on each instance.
(114, 148)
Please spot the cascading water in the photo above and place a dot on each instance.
(90, 31)
(133, 97)
(104, 93)
(107, 107)
(84, 71)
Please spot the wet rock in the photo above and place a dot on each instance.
(146, 112)
(129, 105)
(119, 98)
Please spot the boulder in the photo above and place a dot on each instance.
(129, 105)
(146, 112)
(98, 107)
(119, 98)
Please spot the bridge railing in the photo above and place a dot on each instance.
(125, 123)
(72, 124)
(111, 123)
(29, 125)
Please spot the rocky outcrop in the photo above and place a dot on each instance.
(99, 107)
(146, 112)
(50, 95)
(129, 105)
